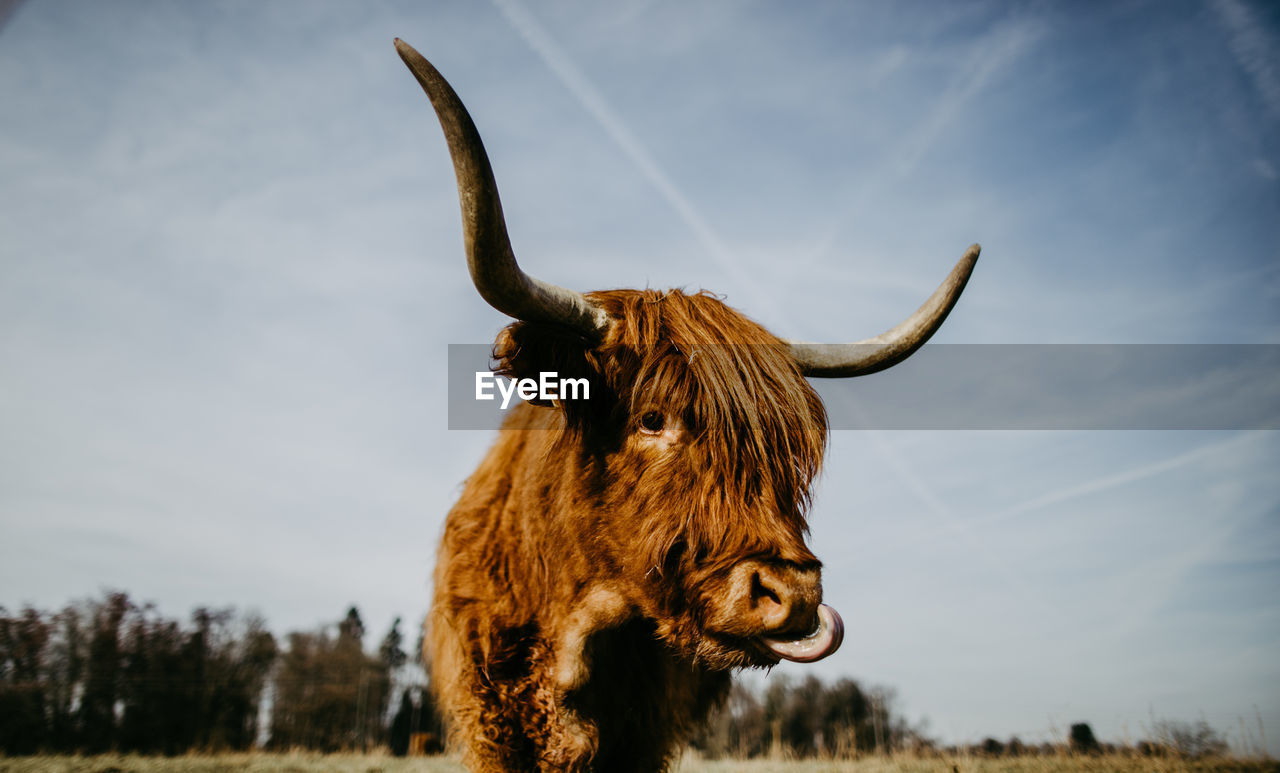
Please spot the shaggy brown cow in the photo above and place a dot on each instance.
(613, 559)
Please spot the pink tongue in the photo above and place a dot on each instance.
(816, 645)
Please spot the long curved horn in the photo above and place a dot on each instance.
(493, 265)
(892, 346)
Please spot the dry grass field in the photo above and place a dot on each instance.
(1056, 764)
(232, 763)
(348, 763)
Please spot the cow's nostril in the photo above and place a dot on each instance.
(770, 601)
(761, 592)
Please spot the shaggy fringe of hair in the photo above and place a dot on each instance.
(755, 418)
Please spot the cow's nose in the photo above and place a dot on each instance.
(782, 598)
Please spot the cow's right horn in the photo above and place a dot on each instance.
(894, 345)
(493, 265)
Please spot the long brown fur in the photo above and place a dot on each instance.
(579, 619)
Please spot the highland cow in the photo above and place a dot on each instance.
(613, 560)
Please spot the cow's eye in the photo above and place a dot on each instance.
(653, 421)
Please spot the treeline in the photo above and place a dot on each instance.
(112, 674)
(845, 720)
(1169, 738)
(115, 675)
(812, 719)
(808, 718)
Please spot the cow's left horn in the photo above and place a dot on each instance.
(493, 265)
(892, 346)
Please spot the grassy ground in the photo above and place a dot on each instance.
(349, 763)
(231, 763)
(1056, 764)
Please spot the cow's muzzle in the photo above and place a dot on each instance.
(778, 604)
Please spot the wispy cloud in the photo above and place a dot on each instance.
(984, 60)
(7, 7)
(1255, 52)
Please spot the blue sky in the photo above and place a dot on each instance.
(231, 263)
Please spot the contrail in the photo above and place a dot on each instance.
(1104, 483)
(594, 103)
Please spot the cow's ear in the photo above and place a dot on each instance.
(529, 349)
